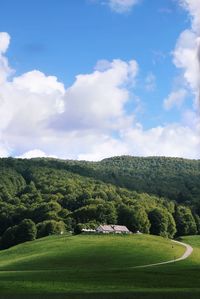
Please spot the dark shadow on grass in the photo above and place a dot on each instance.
(135, 295)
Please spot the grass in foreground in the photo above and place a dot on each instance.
(100, 267)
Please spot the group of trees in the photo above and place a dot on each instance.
(24, 231)
(27, 230)
(41, 197)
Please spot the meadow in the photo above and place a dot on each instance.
(99, 266)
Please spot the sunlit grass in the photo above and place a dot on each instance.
(100, 266)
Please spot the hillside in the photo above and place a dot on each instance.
(99, 265)
(58, 195)
(175, 178)
(89, 253)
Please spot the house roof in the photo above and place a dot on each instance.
(106, 227)
(114, 228)
(120, 228)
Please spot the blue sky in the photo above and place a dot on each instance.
(88, 79)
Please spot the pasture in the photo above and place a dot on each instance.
(99, 266)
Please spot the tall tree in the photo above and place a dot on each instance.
(185, 221)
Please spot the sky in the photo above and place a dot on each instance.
(90, 79)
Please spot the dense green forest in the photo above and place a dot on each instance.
(154, 195)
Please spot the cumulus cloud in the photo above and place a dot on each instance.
(38, 112)
(175, 98)
(193, 8)
(28, 102)
(186, 53)
(105, 147)
(186, 57)
(88, 120)
(122, 6)
(191, 118)
(173, 140)
(170, 140)
(36, 82)
(34, 154)
(97, 100)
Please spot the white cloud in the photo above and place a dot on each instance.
(171, 140)
(186, 57)
(191, 118)
(23, 110)
(122, 6)
(4, 42)
(185, 139)
(37, 112)
(34, 154)
(36, 82)
(104, 147)
(3, 151)
(186, 53)
(88, 120)
(176, 98)
(97, 100)
(5, 70)
(193, 8)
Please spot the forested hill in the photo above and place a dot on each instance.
(174, 178)
(44, 196)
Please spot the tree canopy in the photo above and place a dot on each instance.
(153, 195)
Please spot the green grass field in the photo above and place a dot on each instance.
(99, 267)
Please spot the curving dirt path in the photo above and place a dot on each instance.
(186, 254)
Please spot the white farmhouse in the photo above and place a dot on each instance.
(115, 229)
(120, 229)
(105, 229)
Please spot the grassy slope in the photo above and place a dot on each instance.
(97, 264)
(99, 252)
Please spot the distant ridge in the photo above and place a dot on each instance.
(174, 178)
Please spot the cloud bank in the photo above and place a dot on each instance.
(186, 55)
(89, 120)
